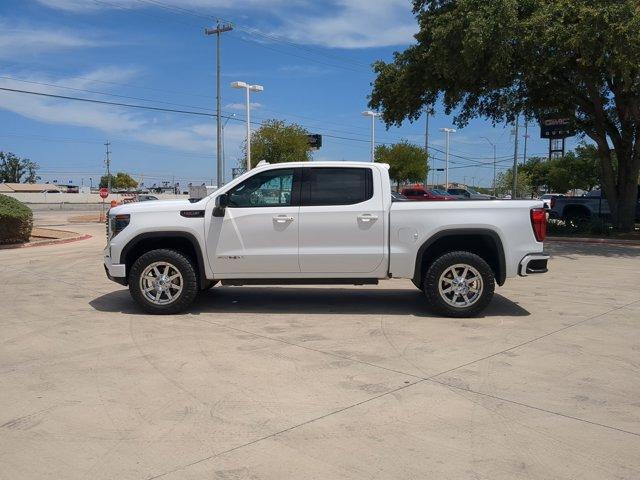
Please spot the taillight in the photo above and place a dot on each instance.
(539, 223)
(552, 202)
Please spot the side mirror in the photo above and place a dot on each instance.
(222, 202)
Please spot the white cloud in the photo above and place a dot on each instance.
(353, 24)
(87, 6)
(242, 106)
(17, 40)
(346, 24)
(166, 130)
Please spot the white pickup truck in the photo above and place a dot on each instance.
(322, 223)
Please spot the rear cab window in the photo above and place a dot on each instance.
(336, 185)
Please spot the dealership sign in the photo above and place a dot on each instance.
(553, 128)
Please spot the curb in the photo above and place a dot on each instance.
(597, 241)
(44, 243)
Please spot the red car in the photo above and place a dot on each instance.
(423, 195)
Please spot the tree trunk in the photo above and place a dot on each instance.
(628, 170)
(621, 192)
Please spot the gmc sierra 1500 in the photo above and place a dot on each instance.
(322, 222)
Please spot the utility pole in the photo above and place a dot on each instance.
(526, 138)
(426, 148)
(515, 162)
(220, 28)
(107, 160)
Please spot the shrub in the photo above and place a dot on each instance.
(588, 226)
(16, 221)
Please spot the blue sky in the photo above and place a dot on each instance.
(313, 59)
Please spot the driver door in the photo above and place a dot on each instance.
(258, 233)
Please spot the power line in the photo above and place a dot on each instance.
(254, 31)
(118, 104)
(6, 77)
(190, 112)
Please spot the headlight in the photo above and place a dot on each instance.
(118, 223)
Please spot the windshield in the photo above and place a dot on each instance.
(472, 191)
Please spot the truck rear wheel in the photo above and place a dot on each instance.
(163, 282)
(459, 284)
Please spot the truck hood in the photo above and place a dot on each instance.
(157, 206)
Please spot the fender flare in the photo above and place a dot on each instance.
(502, 274)
(169, 235)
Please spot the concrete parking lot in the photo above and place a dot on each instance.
(318, 383)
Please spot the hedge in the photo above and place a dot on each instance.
(16, 221)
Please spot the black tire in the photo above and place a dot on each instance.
(484, 288)
(188, 281)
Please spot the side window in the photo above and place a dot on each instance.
(272, 188)
(336, 186)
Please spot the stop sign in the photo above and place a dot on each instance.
(104, 193)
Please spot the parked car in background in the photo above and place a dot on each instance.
(422, 194)
(547, 197)
(468, 193)
(146, 198)
(592, 204)
(398, 197)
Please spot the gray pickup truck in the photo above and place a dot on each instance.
(592, 204)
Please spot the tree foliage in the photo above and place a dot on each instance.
(577, 170)
(407, 162)
(119, 181)
(538, 58)
(14, 169)
(277, 142)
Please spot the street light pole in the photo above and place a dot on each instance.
(447, 132)
(248, 88)
(220, 28)
(515, 162)
(373, 115)
(494, 164)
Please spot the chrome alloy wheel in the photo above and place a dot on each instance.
(161, 283)
(460, 285)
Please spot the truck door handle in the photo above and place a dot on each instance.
(283, 219)
(367, 217)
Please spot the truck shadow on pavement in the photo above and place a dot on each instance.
(273, 300)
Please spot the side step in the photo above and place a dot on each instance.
(299, 281)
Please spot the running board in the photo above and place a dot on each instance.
(299, 281)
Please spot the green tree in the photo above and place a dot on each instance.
(536, 170)
(585, 167)
(538, 58)
(120, 181)
(559, 176)
(14, 169)
(277, 142)
(407, 162)
(504, 182)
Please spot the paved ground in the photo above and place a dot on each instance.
(318, 383)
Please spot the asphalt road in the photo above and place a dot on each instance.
(318, 383)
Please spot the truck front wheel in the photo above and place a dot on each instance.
(459, 284)
(163, 282)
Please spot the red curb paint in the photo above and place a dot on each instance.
(45, 243)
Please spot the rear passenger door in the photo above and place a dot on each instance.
(341, 221)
